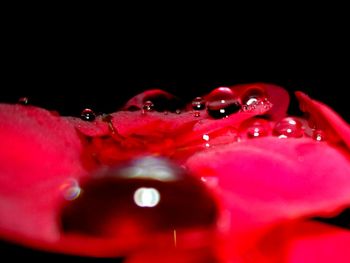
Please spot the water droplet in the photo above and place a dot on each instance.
(163, 101)
(196, 113)
(70, 189)
(222, 102)
(129, 201)
(88, 115)
(288, 127)
(258, 128)
(198, 103)
(178, 111)
(23, 100)
(148, 106)
(319, 135)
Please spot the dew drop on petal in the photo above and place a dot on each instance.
(88, 115)
(288, 127)
(196, 113)
(222, 102)
(198, 103)
(258, 128)
(70, 189)
(178, 111)
(319, 135)
(147, 106)
(144, 196)
(23, 100)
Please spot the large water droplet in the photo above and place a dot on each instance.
(288, 127)
(258, 128)
(88, 115)
(145, 196)
(198, 103)
(222, 102)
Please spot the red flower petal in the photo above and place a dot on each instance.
(270, 180)
(324, 118)
(260, 184)
(316, 242)
(39, 153)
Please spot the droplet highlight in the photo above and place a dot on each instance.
(146, 197)
(88, 115)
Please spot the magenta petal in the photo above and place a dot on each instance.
(262, 182)
(325, 118)
(318, 243)
(39, 154)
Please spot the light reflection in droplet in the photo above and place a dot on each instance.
(149, 168)
(146, 197)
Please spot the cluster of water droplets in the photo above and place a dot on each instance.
(223, 102)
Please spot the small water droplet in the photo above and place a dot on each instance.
(198, 103)
(23, 100)
(88, 115)
(288, 127)
(70, 189)
(258, 128)
(196, 113)
(319, 135)
(178, 111)
(148, 106)
(222, 102)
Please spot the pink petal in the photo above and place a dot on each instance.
(325, 118)
(314, 242)
(41, 155)
(262, 182)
